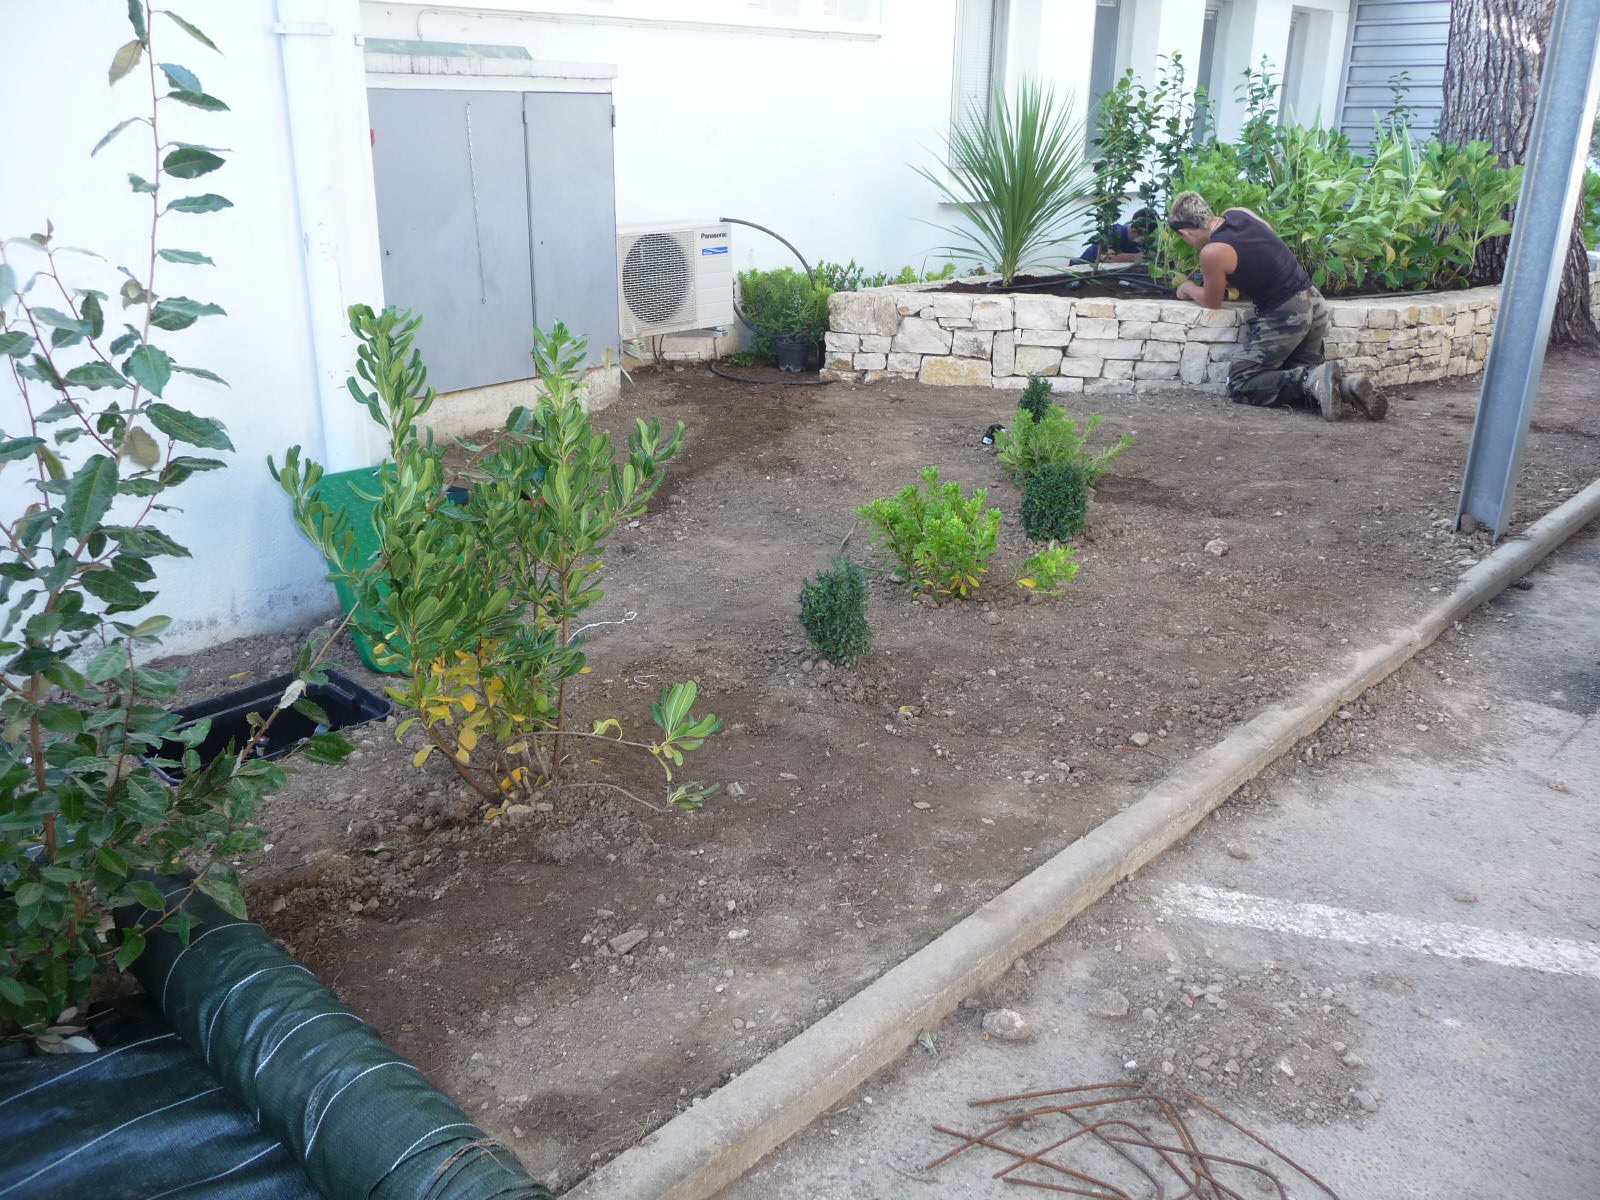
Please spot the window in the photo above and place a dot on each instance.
(1211, 72)
(1103, 67)
(1294, 59)
(980, 58)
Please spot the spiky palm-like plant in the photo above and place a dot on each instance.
(1023, 181)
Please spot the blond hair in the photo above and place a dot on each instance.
(1190, 211)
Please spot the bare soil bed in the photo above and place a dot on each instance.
(876, 806)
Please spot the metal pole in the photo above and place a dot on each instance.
(1557, 148)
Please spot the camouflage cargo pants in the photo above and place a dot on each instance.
(1276, 348)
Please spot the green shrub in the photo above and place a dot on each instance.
(934, 536)
(1035, 399)
(1591, 208)
(783, 305)
(1031, 444)
(849, 277)
(1050, 570)
(833, 610)
(1055, 502)
(97, 443)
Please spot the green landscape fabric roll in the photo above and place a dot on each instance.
(362, 1121)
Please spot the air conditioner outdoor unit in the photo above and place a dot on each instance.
(674, 276)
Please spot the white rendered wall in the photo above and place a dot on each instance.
(251, 569)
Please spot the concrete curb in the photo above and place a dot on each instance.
(712, 1144)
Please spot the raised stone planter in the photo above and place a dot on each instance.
(958, 339)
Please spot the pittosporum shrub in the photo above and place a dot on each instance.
(933, 535)
(833, 610)
(1055, 503)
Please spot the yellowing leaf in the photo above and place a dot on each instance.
(421, 756)
(586, 671)
(1028, 583)
(517, 748)
(463, 757)
(469, 701)
(468, 739)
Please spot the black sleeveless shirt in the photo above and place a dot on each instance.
(1268, 272)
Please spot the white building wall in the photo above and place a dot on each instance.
(251, 569)
(808, 131)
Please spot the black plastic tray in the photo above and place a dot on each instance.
(346, 702)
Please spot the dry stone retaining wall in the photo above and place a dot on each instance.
(1094, 345)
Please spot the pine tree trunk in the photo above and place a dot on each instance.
(1491, 83)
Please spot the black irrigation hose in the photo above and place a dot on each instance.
(780, 382)
(739, 312)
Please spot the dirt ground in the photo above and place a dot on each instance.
(875, 806)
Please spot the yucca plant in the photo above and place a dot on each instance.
(1023, 182)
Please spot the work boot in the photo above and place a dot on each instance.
(1321, 387)
(1362, 394)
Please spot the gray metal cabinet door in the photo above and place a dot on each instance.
(572, 214)
(453, 226)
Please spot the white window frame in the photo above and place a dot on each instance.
(994, 50)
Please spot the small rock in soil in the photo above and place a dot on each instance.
(1368, 1102)
(991, 618)
(1140, 739)
(1240, 852)
(1217, 547)
(1466, 897)
(738, 935)
(1007, 1025)
(625, 942)
(1112, 1004)
(737, 789)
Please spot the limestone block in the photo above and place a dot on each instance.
(842, 343)
(1402, 339)
(992, 312)
(1348, 315)
(1480, 346)
(1010, 383)
(1460, 364)
(920, 336)
(1192, 363)
(1430, 314)
(1097, 308)
(1483, 318)
(1082, 368)
(971, 343)
(1067, 386)
(951, 304)
(1135, 331)
(1430, 336)
(955, 322)
(1155, 370)
(1221, 317)
(1361, 363)
(1379, 337)
(872, 343)
(905, 364)
(1425, 374)
(840, 362)
(877, 376)
(863, 312)
(834, 375)
(1117, 368)
(1334, 349)
(1217, 372)
(1004, 359)
(1037, 360)
(872, 362)
(1094, 327)
(1220, 351)
(1139, 310)
(1143, 386)
(1162, 351)
(1043, 337)
(1389, 376)
(1214, 333)
(1463, 322)
(1181, 313)
(1100, 387)
(1381, 318)
(910, 304)
(1105, 348)
(1042, 312)
(1164, 331)
(954, 372)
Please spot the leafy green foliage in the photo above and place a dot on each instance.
(1049, 570)
(934, 535)
(1142, 133)
(478, 602)
(1055, 501)
(783, 305)
(1591, 209)
(84, 818)
(1035, 400)
(849, 277)
(833, 611)
(1031, 444)
(1401, 217)
(1021, 182)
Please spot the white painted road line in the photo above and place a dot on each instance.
(1445, 939)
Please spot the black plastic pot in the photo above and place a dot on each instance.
(793, 356)
(346, 702)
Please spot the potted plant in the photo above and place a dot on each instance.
(787, 310)
(805, 321)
